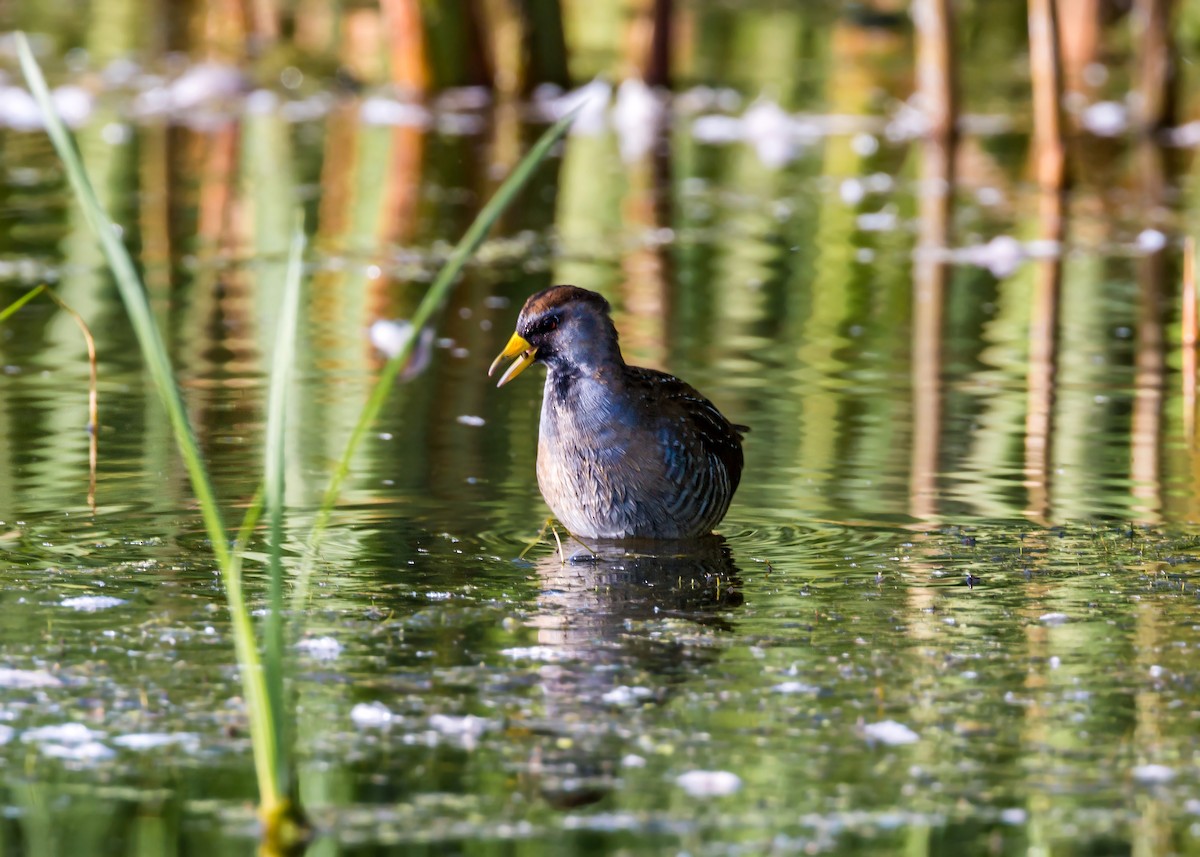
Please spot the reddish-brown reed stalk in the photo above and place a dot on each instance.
(938, 100)
(1050, 170)
(1154, 75)
(406, 39)
(1189, 338)
(1150, 352)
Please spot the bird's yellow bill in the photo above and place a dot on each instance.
(517, 347)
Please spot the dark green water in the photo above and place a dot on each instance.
(914, 636)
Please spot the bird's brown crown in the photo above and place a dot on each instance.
(557, 297)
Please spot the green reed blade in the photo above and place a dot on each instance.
(158, 362)
(21, 301)
(437, 293)
(282, 362)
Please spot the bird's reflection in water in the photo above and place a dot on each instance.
(620, 628)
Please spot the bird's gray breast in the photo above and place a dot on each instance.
(593, 462)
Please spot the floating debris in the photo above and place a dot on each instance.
(63, 733)
(545, 654)
(1014, 815)
(1053, 618)
(1153, 775)
(371, 714)
(795, 687)
(387, 111)
(92, 603)
(624, 696)
(206, 82)
(1001, 256)
(320, 648)
(26, 679)
(592, 100)
(890, 732)
(709, 783)
(1105, 118)
(771, 131)
(1150, 241)
(467, 729)
(390, 337)
(90, 751)
(637, 118)
(154, 740)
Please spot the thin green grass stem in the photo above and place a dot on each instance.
(275, 446)
(20, 302)
(158, 362)
(433, 299)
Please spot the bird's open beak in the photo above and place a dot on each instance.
(517, 347)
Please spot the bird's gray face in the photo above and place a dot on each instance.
(561, 325)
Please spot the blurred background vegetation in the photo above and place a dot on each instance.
(822, 173)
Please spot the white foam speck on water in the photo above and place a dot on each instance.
(25, 679)
(625, 696)
(1153, 774)
(545, 654)
(890, 732)
(320, 648)
(852, 191)
(72, 742)
(1002, 255)
(1105, 118)
(466, 728)
(1151, 241)
(1053, 618)
(636, 117)
(62, 733)
(386, 111)
(153, 740)
(75, 105)
(717, 129)
(390, 336)
(709, 783)
(769, 128)
(92, 603)
(18, 109)
(795, 687)
(877, 221)
(90, 751)
(591, 100)
(6, 733)
(469, 420)
(371, 714)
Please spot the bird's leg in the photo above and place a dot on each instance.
(562, 557)
(549, 524)
(571, 535)
(536, 539)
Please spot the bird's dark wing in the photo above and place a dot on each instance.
(680, 403)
